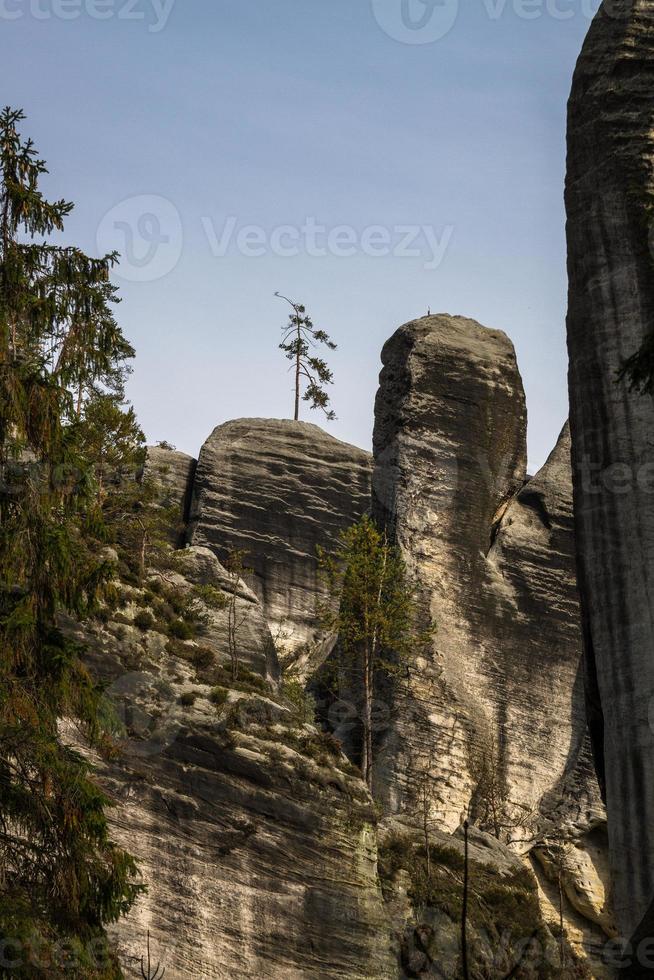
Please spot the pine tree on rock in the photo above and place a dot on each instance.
(61, 873)
(371, 605)
(299, 337)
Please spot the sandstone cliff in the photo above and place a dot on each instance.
(263, 852)
(254, 833)
(494, 713)
(609, 191)
(277, 489)
(173, 472)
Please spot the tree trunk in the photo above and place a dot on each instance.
(464, 908)
(425, 827)
(366, 760)
(298, 366)
(561, 937)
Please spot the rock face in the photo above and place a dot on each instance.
(255, 835)
(173, 472)
(277, 490)
(494, 712)
(609, 193)
(254, 642)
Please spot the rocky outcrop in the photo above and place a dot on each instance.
(195, 569)
(277, 490)
(507, 935)
(254, 834)
(172, 474)
(493, 712)
(609, 194)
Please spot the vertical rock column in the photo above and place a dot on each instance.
(609, 196)
(494, 709)
(449, 446)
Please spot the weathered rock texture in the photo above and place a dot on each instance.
(256, 837)
(609, 196)
(277, 490)
(174, 472)
(493, 711)
(253, 641)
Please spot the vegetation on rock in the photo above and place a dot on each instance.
(62, 364)
(299, 336)
(372, 608)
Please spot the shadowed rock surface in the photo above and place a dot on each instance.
(255, 836)
(174, 472)
(494, 710)
(277, 489)
(609, 194)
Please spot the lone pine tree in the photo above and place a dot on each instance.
(372, 607)
(60, 873)
(299, 336)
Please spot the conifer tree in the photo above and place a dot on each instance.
(372, 607)
(59, 341)
(299, 336)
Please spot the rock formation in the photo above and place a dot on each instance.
(254, 833)
(262, 849)
(494, 713)
(172, 472)
(277, 489)
(609, 194)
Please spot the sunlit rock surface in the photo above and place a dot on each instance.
(277, 489)
(493, 709)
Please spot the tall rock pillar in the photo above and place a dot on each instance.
(493, 709)
(609, 197)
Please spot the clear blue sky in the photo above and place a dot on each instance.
(272, 113)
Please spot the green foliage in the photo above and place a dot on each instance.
(299, 337)
(36, 951)
(236, 570)
(181, 629)
(144, 620)
(212, 597)
(302, 703)
(503, 908)
(60, 347)
(638, 369)
(188, 699)
(372, 607)
(202, 657)
(218, 696)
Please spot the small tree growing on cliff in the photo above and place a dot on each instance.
(299, 336)
(372, 607)
(236, 570)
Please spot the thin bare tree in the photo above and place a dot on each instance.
(147, 972)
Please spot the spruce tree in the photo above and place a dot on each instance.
(372, 607)
(60, 872)
(299, 336)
